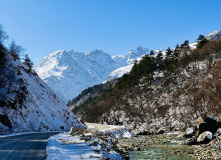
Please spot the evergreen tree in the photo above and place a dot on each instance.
(176, 52)
(185, 44)
(159, 60)
(159, 56)
(28, 62)
(151, 53)
(169, 53)
(201, 41)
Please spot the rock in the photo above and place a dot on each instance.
(205, 137)
(161, 132)
(219, 131)
(181, 135)
(71, 132)
(200, 120)
(209, 124)
(191, 131)
(191, 141)
(74, 130)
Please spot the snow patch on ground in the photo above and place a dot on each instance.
(77, 149)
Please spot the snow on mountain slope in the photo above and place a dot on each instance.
(122, 70)
(119, 72)
(69, 72)
(130, 57)
(39, 110)
(214, 35)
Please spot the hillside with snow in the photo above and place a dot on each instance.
(68, 73)
(27, 103)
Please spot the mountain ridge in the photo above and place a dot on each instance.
(69, 72)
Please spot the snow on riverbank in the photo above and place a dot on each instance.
(65, 147)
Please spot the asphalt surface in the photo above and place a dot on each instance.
(24, 147)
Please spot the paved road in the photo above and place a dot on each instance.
(24, 147)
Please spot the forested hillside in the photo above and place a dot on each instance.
(164, 93)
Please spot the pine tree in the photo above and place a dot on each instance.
(159, 60)
(176, 52)
(169, 53)
(185, 44)
(201, 41)
(28, 62)
(159, 56)
(151, 53)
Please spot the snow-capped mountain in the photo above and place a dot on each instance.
(68, 72)
(28, 104)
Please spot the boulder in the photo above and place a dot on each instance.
(205, 137)
(191, 131)
(209, 124)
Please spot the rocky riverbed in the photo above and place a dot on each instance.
(212, 150)
(139, 143)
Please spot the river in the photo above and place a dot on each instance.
(170, 151)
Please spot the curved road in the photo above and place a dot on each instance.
(24, 147)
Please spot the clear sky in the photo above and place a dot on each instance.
(114, 26)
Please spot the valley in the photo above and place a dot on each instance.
(101, 99)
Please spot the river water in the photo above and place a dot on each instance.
(170, 151)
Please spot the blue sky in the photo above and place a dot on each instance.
(114, 26)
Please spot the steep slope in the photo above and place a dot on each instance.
(166, 94)
(68, 72)
(27, 103)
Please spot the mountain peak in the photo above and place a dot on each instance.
(70, 72)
